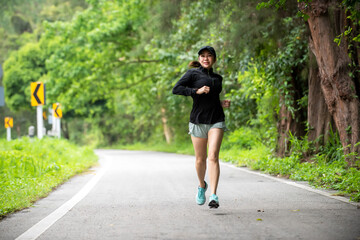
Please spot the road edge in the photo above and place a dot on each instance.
(293, 183)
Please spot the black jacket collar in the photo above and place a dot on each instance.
(205, 70)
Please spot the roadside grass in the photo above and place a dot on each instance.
(319, 173)
(160, 146)
(31, 168)
(325, 167)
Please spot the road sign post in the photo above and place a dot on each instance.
(38, 100)
(9, 123)
(58, 120)
(57, 113)
(39, 121)
(8, 134)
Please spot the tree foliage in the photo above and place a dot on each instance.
(112, 66)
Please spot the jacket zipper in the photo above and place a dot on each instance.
(212, 80)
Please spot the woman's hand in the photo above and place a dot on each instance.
(225, 103)
(204, 89)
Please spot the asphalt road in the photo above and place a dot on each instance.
(149, 195)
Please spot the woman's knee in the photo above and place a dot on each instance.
(201, 159)
(213, 157)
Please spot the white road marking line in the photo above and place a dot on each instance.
(39, 228)
(289, 182)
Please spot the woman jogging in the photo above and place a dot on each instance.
(207, 119)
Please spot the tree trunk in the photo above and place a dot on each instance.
(65, 129)
(167, 132)
(283, 127)
(289, 122)
(326, 21)
(18, 131)
(319, 118)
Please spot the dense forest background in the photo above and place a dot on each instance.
(290, 68)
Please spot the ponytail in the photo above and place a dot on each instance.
(194, 64)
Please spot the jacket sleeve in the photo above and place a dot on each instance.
(182, 86)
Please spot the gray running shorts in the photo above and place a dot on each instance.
(201, 130)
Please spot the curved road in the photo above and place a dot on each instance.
(149, 195)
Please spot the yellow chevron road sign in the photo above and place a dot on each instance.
(9, 122)
(37, 93)
(57, 110)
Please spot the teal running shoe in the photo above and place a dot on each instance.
(214, 201)
(200, 196)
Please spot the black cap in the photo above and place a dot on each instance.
(210, 49)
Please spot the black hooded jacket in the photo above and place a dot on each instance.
(206, 108)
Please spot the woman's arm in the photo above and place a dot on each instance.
(182, 86)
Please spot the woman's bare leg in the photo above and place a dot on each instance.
(215, 137)
(200, 147)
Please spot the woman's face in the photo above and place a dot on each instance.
(206, 59)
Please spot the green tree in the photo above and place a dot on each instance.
(23, 67)
(338, 71)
